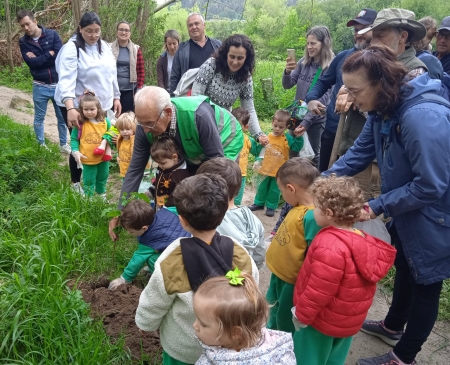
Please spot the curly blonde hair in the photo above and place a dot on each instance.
(342, 195)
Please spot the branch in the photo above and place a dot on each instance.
(164, 5)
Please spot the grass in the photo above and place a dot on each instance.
(49, 236)
(20, 79)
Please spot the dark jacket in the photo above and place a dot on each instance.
(42, 67)
(181, 61)
(445, 61)
(165, 229)
(332, 76)
(161, 71)
(434, 66)
(413, 155)
(167, 180)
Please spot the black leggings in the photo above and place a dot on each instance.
(75, 172)
(127, 100)
(326, 147)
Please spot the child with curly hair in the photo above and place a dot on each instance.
(230, 316)
(337, 282)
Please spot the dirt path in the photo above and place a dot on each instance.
(436, 350)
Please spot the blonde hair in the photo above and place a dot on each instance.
(326, 53)
(341, 195)
(126, 121)
(240, 306)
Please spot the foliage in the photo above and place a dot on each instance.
(20, 79)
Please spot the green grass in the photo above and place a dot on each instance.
(49, 236)
(20, 79)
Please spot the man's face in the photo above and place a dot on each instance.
(443, 42)
(362, 40)
(196, 27)
(389, 37)
(152, 120)
(29, 26)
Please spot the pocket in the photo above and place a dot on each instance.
(437, 215)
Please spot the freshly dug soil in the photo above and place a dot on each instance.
(117, 309)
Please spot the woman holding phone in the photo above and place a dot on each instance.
(304, 74)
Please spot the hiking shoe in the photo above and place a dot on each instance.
(76, 187)
(254, 207)
(65, 149)
(270, 212)
(386, 359)
(376, 328)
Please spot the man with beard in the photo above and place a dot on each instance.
(333, 76)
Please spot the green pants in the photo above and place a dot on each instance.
(268, 193)
(167, 360)
(312, 347)
(238, 199)
(280, 296)
(95, 178)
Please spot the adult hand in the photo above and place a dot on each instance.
(73, 118)
(114, 138)
(290, 65)
(113, 223)
(263, 140)
(316, 107)
(52, 52)
(117, 107)
(116, 282)
(31, 55)
(299, 131)
(342, 105)
(78, 156)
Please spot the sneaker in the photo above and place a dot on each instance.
(386, 359)
(254, 207)
(44, 146)
(270, 212)
(76, 187)
(376, 328)
(65, 149)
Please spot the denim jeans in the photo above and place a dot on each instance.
(41, 95)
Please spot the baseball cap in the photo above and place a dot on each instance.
(445, 24)
(364, 17)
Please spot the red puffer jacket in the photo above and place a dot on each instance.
(337, 282)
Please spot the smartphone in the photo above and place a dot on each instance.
(291, 54)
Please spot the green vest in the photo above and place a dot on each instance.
(230, 130)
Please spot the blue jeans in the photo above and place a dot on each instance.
(41, 95)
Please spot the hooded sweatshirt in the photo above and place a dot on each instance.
(274, 348)
(241, 224)
(337, 281)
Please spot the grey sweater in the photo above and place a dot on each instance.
(302, 77)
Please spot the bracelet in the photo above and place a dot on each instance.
(71, 108)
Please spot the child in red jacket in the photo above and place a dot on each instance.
(337, 282)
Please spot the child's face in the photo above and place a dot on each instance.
(90, 109)
(167, 163)
(244, 127)
(136, 232)
(126, 133)
(278, 127)
(206, 324)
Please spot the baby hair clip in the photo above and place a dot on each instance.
(233, 275)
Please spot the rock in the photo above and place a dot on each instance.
(17, 102)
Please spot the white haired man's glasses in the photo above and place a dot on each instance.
(149, 125)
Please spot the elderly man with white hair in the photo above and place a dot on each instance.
(193, 52)
(201, 129)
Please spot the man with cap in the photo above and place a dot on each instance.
(443, 44)
(333, 76)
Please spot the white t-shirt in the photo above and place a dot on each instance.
(169, 66)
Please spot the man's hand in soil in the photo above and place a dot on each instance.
(113, 223)
(116, 282)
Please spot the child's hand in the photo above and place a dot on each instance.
(299, 131)
(297, 323)
(78, 156)
(116, 282)
(113, 223)
(263, 140)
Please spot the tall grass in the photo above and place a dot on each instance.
(20, 79)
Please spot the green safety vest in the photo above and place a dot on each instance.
(230, 130)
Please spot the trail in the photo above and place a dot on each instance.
(436, 351)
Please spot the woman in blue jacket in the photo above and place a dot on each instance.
(408, 132)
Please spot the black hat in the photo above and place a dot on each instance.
(364, 17)
(445, 25)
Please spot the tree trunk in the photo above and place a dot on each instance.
(267, 88)
(96, 6)
(9, 36)
(76, 12)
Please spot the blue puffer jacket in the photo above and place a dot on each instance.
(165, 229)
(42, 67)
(414, 159)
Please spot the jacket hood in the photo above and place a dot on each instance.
(423, 84)
(240, 224)
(372, 256)
(275, 347)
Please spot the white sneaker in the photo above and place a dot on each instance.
(44, 146)
(76, 187)
(65, 149)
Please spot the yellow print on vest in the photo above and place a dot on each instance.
(283, 237)
(125, 156)
(93, 138)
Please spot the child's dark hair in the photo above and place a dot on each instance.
(165, 147)
(298, 171)
(242, 115)
(136, 214)
(342, 195)
(202, 200)
(89, 96)
(228, 170)
(234, 306)
(282, 116)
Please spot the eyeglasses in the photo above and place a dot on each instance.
(123, 30)
(354, 92)
(149, 125)
(445, 35)
(90, 32)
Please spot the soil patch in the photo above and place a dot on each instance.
(117, 310)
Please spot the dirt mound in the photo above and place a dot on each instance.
(117, 309)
